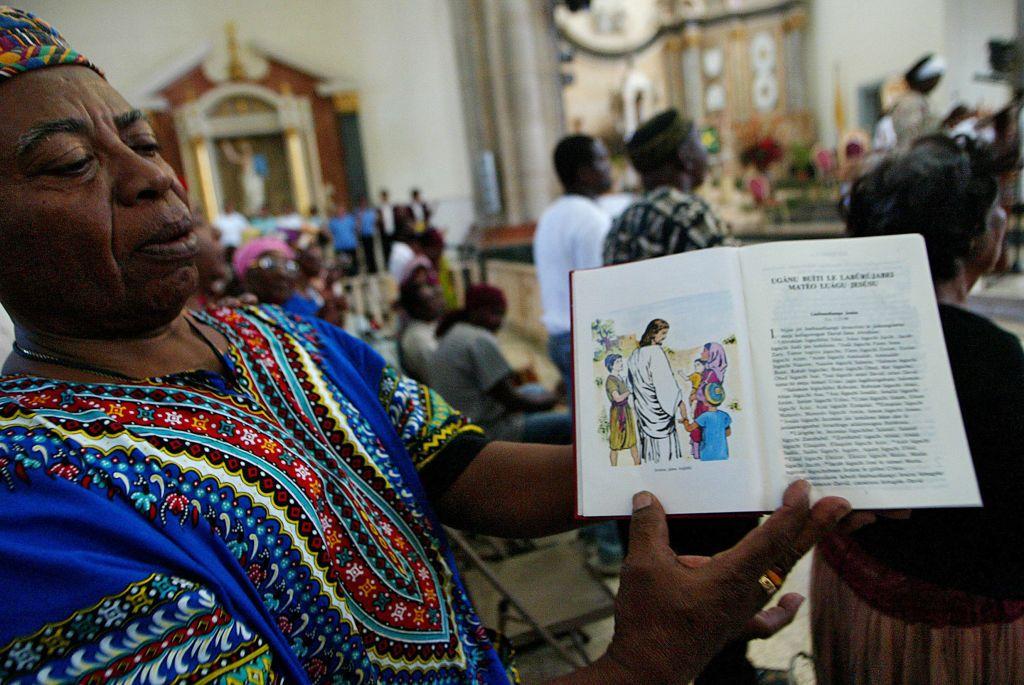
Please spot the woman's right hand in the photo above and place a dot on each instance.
(673, 614)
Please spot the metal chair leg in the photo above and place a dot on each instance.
(526, 616)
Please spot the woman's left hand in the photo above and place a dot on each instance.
(768, 621)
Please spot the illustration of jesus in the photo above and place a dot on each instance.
(657, 397)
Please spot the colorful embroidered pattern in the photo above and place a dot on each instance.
(151, 632)
(428, 424)
(27, 42)
(291, 477)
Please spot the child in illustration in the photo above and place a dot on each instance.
(714, 425)
(694, 378)
(698, 371)
(713, 359)
(622, 428)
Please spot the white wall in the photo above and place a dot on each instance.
(398, 53)
(872, 39)
(868, 40)
(969, 27)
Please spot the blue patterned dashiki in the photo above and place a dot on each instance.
(267, 525)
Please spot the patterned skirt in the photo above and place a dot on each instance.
(857, 644)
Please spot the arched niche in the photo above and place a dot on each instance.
(240, 135)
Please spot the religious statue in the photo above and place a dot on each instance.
(252, 172)
(609, 16)
(637, 99)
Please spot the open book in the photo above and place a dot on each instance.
(714, 378)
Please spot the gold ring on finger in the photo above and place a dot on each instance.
(770, 582)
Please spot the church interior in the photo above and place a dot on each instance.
(392, 159)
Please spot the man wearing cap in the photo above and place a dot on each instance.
(470, 371)
(911, 115)
(668, 218)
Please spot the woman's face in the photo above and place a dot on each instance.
(96, 232)
(272, 278)
(430, 302)
(660, 336)
(704, 354)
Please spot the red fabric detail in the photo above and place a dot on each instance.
(911, 599)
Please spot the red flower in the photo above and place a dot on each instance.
(316, 669)
(762, 153)
(256, 573)
(64, 470)
(176, 503)
(284, 625)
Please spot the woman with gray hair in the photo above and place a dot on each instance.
(938, 597)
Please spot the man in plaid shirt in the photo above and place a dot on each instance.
(668, 218)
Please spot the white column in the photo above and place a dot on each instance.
(693, 82)
(512, 93)
(793, 46)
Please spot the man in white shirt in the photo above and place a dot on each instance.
(404, 249)
(570, 235)
(232, 225)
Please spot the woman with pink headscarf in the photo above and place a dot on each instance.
(267, 268)
(715, 363)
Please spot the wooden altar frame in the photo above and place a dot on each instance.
(291, 117)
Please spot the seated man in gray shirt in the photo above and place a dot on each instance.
(471, 373)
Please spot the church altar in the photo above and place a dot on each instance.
(248, 128)
(734, 67)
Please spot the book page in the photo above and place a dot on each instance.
(654, 341)
(852, 371)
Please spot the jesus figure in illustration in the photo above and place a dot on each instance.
(657, 397)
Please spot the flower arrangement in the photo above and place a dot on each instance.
(762, 154)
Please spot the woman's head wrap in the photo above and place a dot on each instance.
(479, 297)
(716, 360)
(484, 296)
(657, 140)
(27, 42)
(928, 67)
(432, 238)
(247, 254)
(714, 394)
(419, 262)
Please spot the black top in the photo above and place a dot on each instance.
(980, 551)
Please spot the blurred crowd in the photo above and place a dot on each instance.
(306, 263)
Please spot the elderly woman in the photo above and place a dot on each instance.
(939, 597)
(268, 268)
(244, 495)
